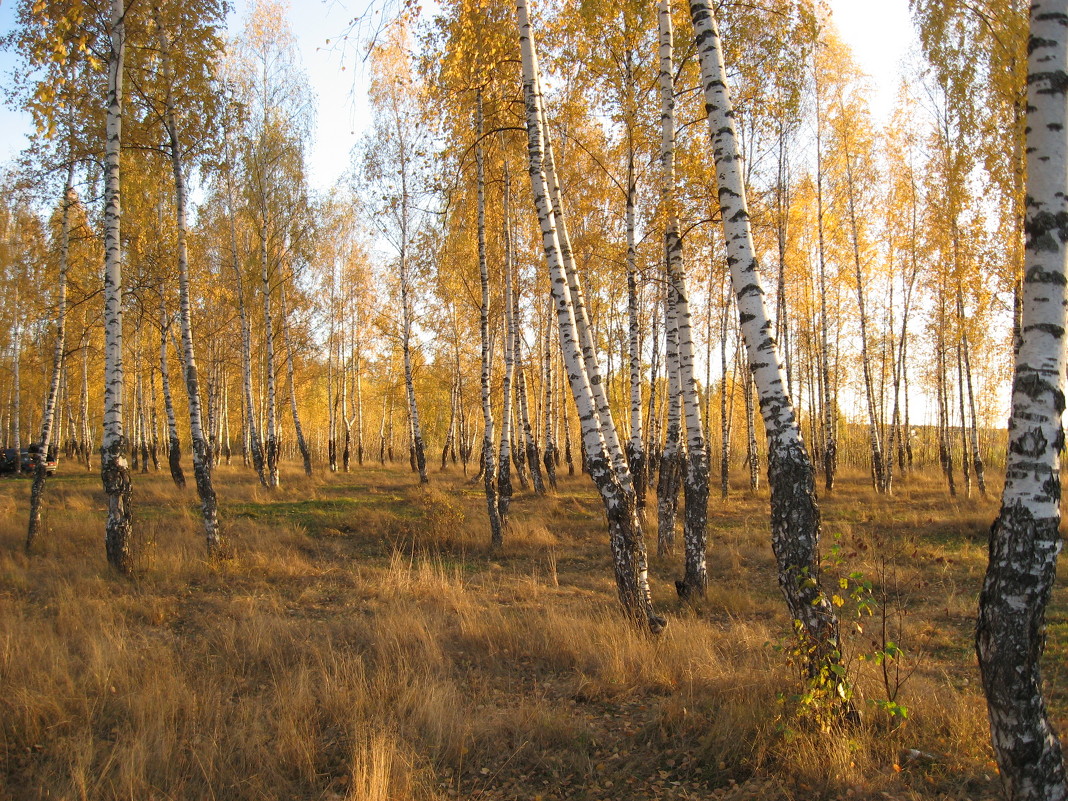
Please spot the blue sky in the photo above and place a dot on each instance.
(879, 32)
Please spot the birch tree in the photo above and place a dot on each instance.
(49, 414)
(695, 472)
(395, 172)
(114, 469)
(795, 518)
(197, 40)
(1024, 539)
(605, 460)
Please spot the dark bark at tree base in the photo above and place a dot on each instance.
(115, 475)
(534, 462)
(504, 490)
(795, 529)
(202, 461)
(1009, 641)
(667, 502)
(271, 462)
(40, 473)
(636, 459)
(492, 507)
(980, 474)
(695, 492)
(174, 460)
(830, 465)
(628, 549)
(550, 458)
(305, 453)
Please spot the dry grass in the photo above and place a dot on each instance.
(364, 643)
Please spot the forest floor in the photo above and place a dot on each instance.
(365, 643)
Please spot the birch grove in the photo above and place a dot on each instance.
(732, 236)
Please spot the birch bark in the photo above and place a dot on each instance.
(489, 465)
(302, 444)
(114, 469)
(202, 455)
(1024, 540)
(504, 460)
(272, 446)
(41, 472)
(616, 487)
(795, 519)
(636, 443)
(695, 461)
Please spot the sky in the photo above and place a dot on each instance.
(878, 31)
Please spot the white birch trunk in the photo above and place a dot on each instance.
(114, 469)
(202, 454)
(272, 445)
(41, 472)
(795, 519)
(489, 466)
(694, 471)
(253, 441)
(618, 494)
(16, 375)
(582, 322)
(504, 460)
(667, 488)
(550, 455)
(636, 444)
(1024, 540)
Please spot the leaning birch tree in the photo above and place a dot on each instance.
(605, 460)
(1024, 540)
(795, 517)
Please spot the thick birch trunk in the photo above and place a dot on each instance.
(41, 472)
(114, 470)
(1024, 540)
(616, 489)
(670, 467)
(795, 519)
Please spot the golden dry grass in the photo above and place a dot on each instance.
(364, 643)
